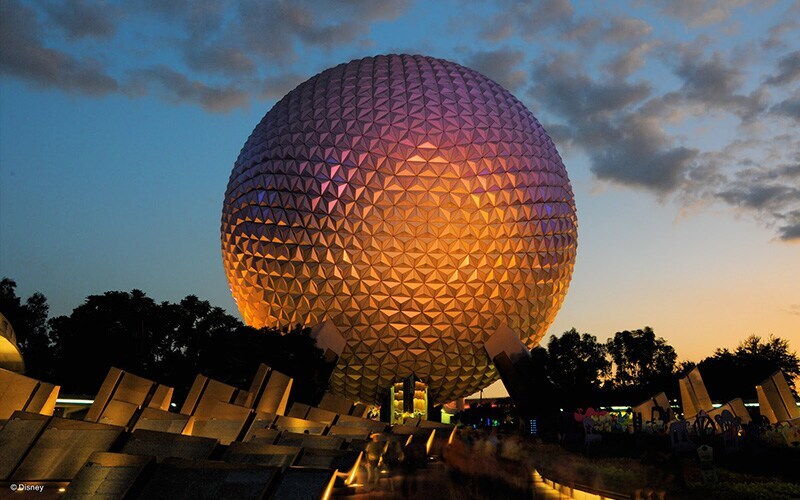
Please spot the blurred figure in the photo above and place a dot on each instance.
(492, 443)
(373, 453)
(510, 449)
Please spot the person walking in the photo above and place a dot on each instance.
(373, 452)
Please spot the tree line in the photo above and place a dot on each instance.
(167, 342)
(634, 365)
(172, 342)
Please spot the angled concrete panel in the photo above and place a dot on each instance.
(21, 393)
(775, 399)
(62, 449)
(108, 476)
(275, 396)
(694, 396)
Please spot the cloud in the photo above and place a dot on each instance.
(243, 45)
(643, 156)
(82, 18)
(178, 88)
(754, 176)
(501, 65)
(272, 30)
(526, 18)
(23, 55)
(197, 16)
(565, 88)
(621, 30)
(277, 86)
(789, 107)
(210, 45)
(709, 80)
(239, 40)
(788, 69)
(774, 39)
(749, 175)
(759, 196)
(788, 24)
(371, 10)
(625, 29)
(610, 121)
(620, 124)
(218, 58)
(790, 229)
(629, 61)
(699, 12)
(714, 84)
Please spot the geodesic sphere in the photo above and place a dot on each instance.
(416, 204)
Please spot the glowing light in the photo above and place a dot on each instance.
(429, 442)
(452, 435)
(351, 478)
(71, 401)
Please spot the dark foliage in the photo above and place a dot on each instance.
(729, 375)
(577, 364)
(29, 320)
(167, 342)
(643, 365)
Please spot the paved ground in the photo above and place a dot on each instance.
(437, 482)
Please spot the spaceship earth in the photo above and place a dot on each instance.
(10, 357)
(416, 204)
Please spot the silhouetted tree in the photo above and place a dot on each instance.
(729, 375)
(29, 321)
(10, 304)
(683, 368)
(198, 337)
(577, 364)
(34, 340)
(294, 352)
(772, 353)
(114, 329)
(643, 364)
(171, 343)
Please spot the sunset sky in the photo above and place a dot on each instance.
(677, 121)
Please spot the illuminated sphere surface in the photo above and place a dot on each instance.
(10, 357)
(415, 203)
